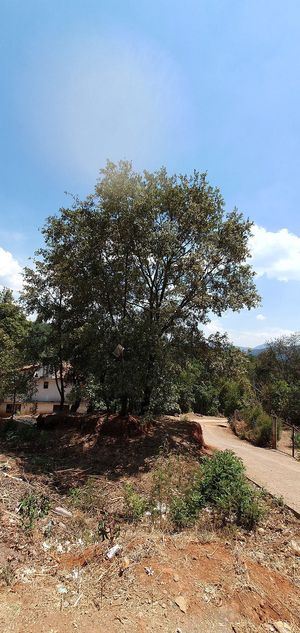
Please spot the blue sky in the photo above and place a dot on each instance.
(206, 84)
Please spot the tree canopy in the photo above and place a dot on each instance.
(141, 264)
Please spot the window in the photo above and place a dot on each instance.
(10, 407)
(46, 385)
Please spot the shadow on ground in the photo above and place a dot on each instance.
(64, 456)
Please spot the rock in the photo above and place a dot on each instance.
(261, 531)
(282, 627)
(295, 547)
(176, 578)
(125, 564)
(63, 512)
(181, 603)
(113, 551)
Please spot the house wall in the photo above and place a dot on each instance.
(43, 400)
(51, 394)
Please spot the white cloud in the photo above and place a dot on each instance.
(10, 271)
(245, 337)
(275, 254)
(261, 317)
(252, 338)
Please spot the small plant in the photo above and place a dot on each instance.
(278, 502)
(108, 529)
(33, 507)
(179, 513)
(185, 510)
(87, 497)
(135, 504)
(75, 494)
(7, 574)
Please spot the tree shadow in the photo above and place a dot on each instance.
(64, 457)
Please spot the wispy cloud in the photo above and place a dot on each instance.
(261, 317)
(113, 98)
(276, 254)
(10, 271)
(245, 337)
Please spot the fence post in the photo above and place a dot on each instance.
(293, 442)
(274, 437)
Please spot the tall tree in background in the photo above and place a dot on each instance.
(277, 377)
(14, 338)
(148, 255)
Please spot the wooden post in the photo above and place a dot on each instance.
(293, 442)
(274, 438)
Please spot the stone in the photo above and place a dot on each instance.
(282, 627)
(181, 603)
(63, 512)
(295, 547)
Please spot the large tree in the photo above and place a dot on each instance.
(146, 256)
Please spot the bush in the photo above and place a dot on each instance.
(258, 426)
(221, 484)
(185, 510)
(263, 430)
(297, 440)
(224, 487)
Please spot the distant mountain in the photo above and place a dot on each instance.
(255, 351)
(258, 349)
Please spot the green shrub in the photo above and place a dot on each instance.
(185, 510)
(263, 430)
(221, 484)
(224, 487)
(297, 440)
(135, 504)
(32, 507)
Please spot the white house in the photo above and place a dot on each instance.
(45, 398)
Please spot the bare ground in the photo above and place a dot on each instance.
(56, 578)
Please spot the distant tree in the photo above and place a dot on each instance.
(277, 377)
(15, 383)
(148, 255)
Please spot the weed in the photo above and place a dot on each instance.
(135, 504)
(7, 574)
(32, 507)
(278, 502)
(108, 529)
(75, 494)
(87, 498)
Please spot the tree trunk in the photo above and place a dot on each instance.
(148, 386)
(124, 405)
(146, 400)
(75, 406)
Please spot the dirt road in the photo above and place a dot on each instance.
(275, 471)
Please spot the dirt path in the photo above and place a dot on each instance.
(275, 471)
